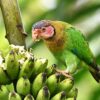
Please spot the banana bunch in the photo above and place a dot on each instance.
(23, 77)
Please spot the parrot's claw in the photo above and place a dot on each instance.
(66, 74)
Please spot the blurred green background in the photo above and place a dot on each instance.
(83, 14)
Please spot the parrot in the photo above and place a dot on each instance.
(60, 38)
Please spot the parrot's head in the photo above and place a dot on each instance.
(42, 30)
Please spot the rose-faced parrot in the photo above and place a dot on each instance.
(61, 38)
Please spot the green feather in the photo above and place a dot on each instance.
(78, 45)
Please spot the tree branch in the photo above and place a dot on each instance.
(14, 28)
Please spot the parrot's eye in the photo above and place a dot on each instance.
(44, 32)
(43, 29)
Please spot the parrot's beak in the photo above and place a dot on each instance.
(35, 35)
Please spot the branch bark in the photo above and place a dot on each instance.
(12, 19)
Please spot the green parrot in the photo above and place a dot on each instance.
(62, 39)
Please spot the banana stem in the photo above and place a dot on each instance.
(14, 28)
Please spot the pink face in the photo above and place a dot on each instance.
(44, 33)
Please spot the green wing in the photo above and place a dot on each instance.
(77, 44)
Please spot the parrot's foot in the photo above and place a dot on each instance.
(67, 74)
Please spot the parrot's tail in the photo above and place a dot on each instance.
(95, 71)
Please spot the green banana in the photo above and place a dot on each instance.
(27, 68)
(10, 87)
(22, 53)
(65, 85)
(39, 65)
(52, 82)
(14, 96)
(19, 50)
(38, 83)
(51, 69)
(73, 93)
(12, 65)
(43, 94)
(3, 76)
(4, 92)
(1, 60)
(23, 86)
(70, 98)
(29, 97)
(59, 96)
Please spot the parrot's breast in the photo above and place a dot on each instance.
(56, 44)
